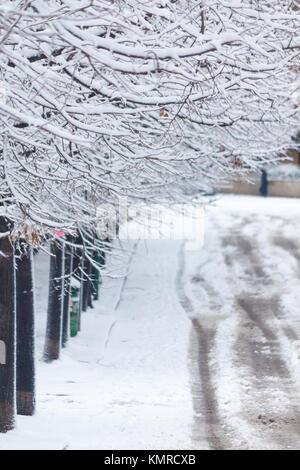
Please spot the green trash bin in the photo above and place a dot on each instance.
(74, 310)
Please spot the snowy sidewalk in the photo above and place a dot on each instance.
(123, 383)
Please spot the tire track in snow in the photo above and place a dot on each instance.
(205, 339)
(269, 413)
(204, 398)
(272, 400)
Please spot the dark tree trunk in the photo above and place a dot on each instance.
(68, 252)
(96, 275)
(85, 283)
(25, 333)
(7, 331)
(96, 282)
(91, 287)
(99, 258)
(77, 264)
(55, 305)
(90, 284)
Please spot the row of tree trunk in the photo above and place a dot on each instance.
(17, 342)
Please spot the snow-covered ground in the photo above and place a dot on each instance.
(193, 349)
(243, 292)
(123, 383)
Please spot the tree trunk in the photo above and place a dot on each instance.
(55, 305)
(67, 292)
(91, 287)
(25, 333)
(90, 282)
(96, 276)
(99, 259)
(85, 283)
(7, 331)
(77, 264)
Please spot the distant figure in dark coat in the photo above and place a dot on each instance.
(264, 184)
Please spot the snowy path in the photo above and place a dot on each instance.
(123, 383)
(243, 296)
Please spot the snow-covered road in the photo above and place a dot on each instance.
(243, 296)
(192, 350)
